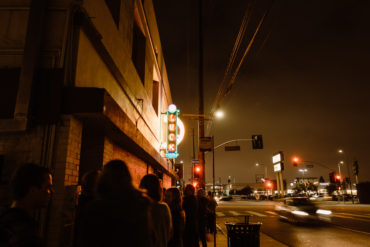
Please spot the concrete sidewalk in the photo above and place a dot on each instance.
(221, 240)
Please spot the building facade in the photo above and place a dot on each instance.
(82, 82)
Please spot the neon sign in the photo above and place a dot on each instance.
(172, 140)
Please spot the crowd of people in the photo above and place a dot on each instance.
(111, 211)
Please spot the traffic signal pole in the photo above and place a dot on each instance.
(200, 97)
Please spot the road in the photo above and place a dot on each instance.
(350, 224)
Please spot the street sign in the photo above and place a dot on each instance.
(205, 144)
(195, 162)
(277, 167)
(278, 161)
(232, 148)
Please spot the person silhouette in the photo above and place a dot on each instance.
(160, 211)
(190, 206)
(173, 199)
(31, 188)
(121, 214)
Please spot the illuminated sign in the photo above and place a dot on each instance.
(278, 161)
(277, 167)
(172, 141)
(276, 158)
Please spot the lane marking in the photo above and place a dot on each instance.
(356, 215)
(352, 218)
(220, 214)
(234, 213)
(349, 229)
(255, 213)
(270, 212)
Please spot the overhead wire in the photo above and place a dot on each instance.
(234, 52)
(232, 80)
(224, 89)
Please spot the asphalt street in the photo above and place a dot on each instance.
(350, 224)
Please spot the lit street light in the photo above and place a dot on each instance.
(219, 114)
(340, 151)
(258, 164)
(303, 171)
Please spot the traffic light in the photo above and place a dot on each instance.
(355, 167)
(257, 142)
(337, 178)
(268, 184)
(197, 171)
(331, 177)
(295, 161)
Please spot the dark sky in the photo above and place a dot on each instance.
(304, 85)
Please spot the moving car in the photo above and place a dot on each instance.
(301, 210)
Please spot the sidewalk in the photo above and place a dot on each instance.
(265, 241)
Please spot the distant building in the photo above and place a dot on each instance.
(81, 83)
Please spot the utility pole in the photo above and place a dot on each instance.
(202, 178)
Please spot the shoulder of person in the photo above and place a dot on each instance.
(15, 215)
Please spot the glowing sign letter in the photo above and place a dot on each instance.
(172, 114)
(171, 127)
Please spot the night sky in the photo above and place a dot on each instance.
(304, 85)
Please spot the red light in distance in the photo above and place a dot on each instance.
(295, 159)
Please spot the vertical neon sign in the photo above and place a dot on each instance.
(172, 114)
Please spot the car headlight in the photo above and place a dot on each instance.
(322, 211)
(301, 213)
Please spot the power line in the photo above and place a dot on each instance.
(224, 89)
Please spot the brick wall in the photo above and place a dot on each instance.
(137, 167)
(19, 148)
(66, 164)
(167, 182)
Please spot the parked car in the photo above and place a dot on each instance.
(263, 197)
(226, 198)
(251, 197)
(301, 210)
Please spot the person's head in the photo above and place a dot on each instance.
(89, 182)
(189, 190)
(32, 184)
(209, 194)
(115, 180)
(173, 197)
(152, 186)
(201, 192)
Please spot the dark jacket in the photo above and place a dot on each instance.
(178, 223)
(191, 233)
(18, 229)
(116, 222)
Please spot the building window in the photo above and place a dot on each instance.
(8, 91)
(155, 98)
(138, 51)
(114, 8)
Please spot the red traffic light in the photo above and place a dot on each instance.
(268, 184)
(295, 160)
(197, 171)
(337, 177)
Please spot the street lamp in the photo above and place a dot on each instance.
(258, 164)
(340, 151)
(219, 114)
(303, 171)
